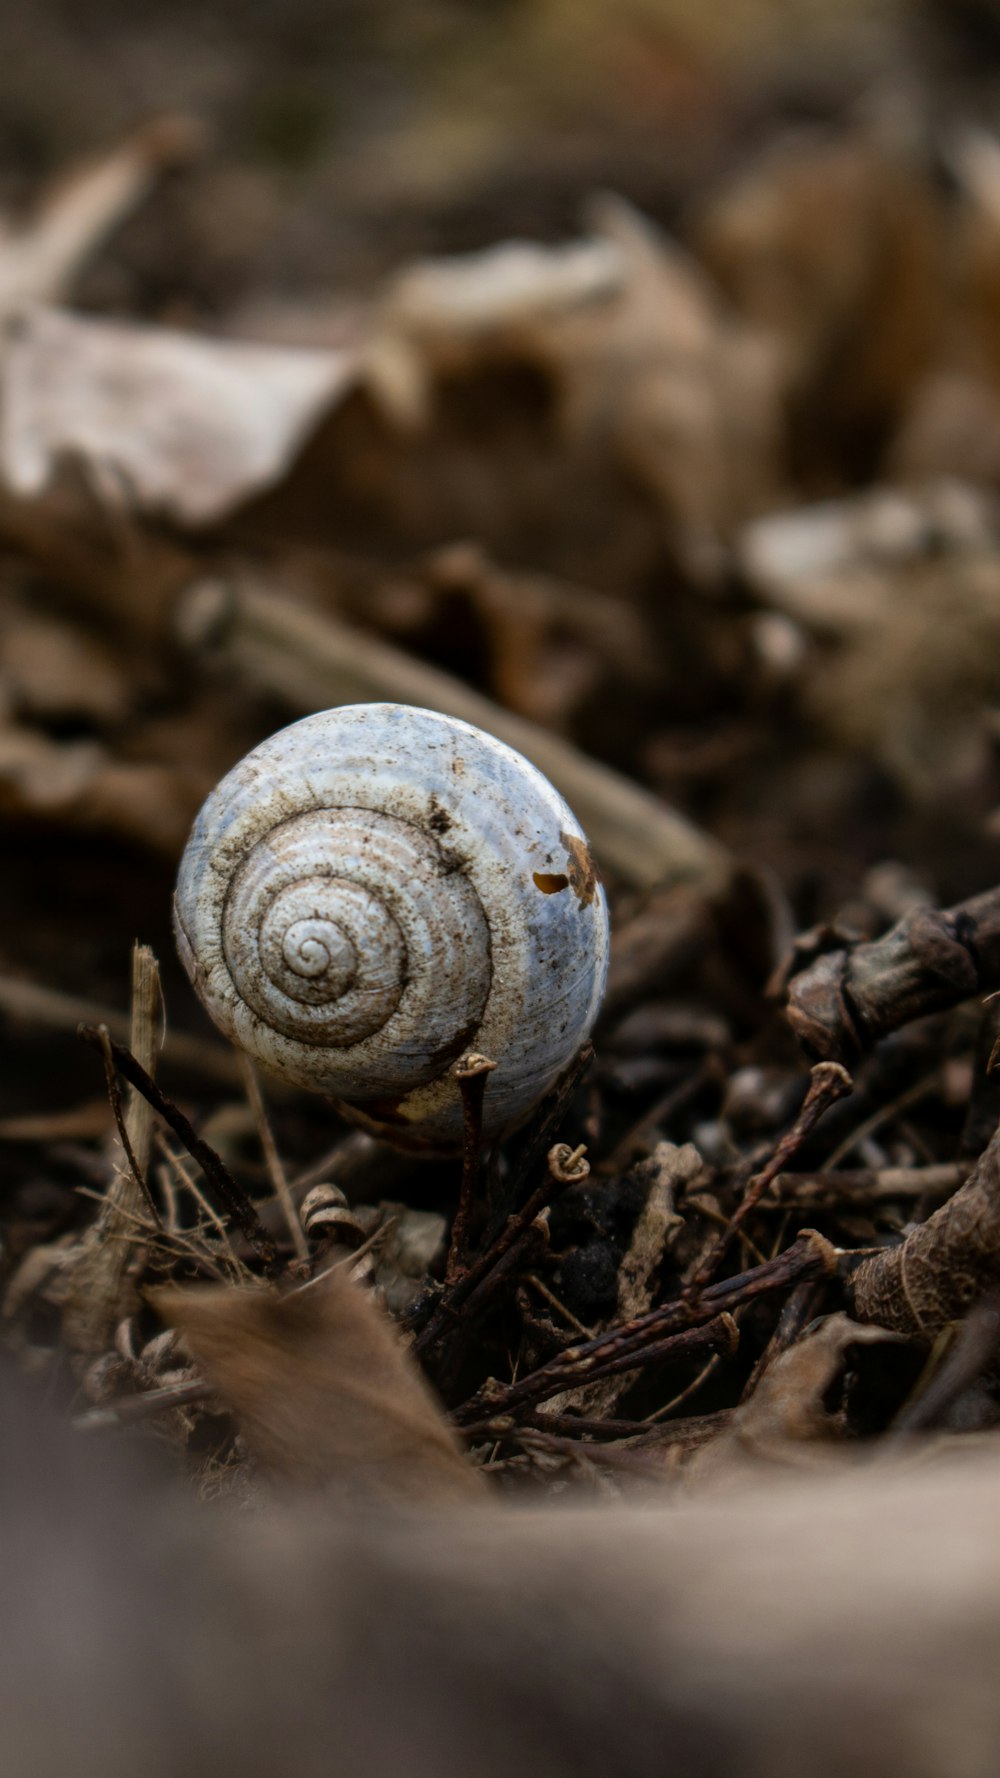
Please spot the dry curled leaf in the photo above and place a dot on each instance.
(944, 1265)
(787, 1409)
(323, 1388)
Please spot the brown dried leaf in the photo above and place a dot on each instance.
(786, 1410)
(833, 248)
(688, 396)
(324, 1390)
(944, 1265)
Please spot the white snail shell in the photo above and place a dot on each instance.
(377, 889)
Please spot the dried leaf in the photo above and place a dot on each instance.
(687, 396)
(944, 1265)
(833, 248)
(446, 303)
(786, 1410)
(323, 1388)
(174, 424)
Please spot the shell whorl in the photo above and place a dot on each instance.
(359, 903)
(335, 913)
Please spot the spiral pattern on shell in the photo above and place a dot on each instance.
(375, 890)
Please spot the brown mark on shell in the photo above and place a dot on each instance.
(580, 868)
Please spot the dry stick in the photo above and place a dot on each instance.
(481, 1279)
(810, 1256)
(862, 1186)
(847, 1000)
(829, 1083)
(314, 660)
(472, 1072)
(272, 1159)
(693, 1429)
(101, 1293)
(137, 1170)
(237, 1203)
(578, 1365)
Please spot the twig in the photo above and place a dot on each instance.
(237, 1203)
(138, 1176)
(606, 1356)
(863, 1186)
(829, 1083)
(480, 1279)
(932, 959)
(472, 1072)
(102, 1290)
(131, 1408)
(810, 1256)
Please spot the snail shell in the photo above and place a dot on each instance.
(377, 889)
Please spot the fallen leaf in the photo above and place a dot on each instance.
(323, 1388)
(787, 1409)
(686, 394)
(833, 248)
(177, 425)
(447, 303)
